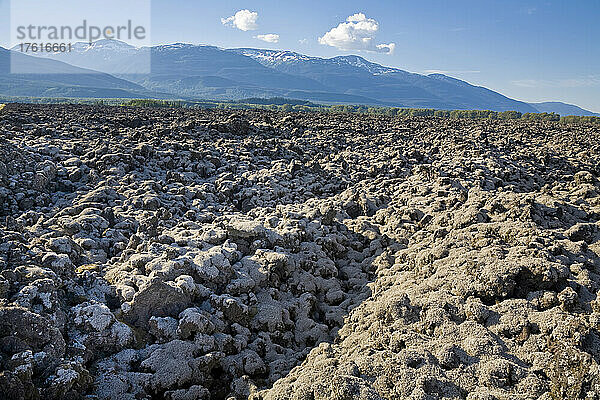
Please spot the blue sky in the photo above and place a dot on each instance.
(528, 50)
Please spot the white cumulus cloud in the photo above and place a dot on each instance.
(244, 20)
(356, 33)
(386, 48)
(269, 37)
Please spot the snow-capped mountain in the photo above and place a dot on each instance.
(204, 71)
(25, 75)
(276, 58)
(177, 46)
(106, 46)
(360, 62)
(212, 72)
(273, 58)
(106, 55)
(371, 83)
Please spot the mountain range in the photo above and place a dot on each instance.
(39, 77)
(109, 68)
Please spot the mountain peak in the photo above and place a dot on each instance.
(183, 46)
(352, 58)
(275, 58)
(106, 45)
(272, 58)
(203, 71)
(359, 62)
(112, 44)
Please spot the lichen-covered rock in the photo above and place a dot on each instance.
(211, 254)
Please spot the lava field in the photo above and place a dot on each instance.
(232, 254)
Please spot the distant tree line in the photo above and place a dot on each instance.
(155, 103)
(576, 119)
(453, 114)
(293, 105)
(290, 105)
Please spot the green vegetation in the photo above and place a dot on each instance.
(541, 117)
(575, 119)
(274, 104)
(294, 105)
(60, 100)
(453, 114)
(154, 103)
(505, 115)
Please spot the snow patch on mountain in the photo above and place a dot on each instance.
(360, 62)
(104, 46)
(274, 58)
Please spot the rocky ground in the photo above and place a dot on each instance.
(179, 254)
